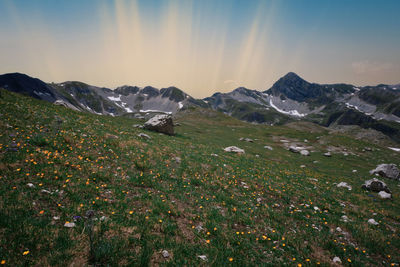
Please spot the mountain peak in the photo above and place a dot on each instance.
(292, 76)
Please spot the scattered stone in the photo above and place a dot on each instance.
(203, 257)
(199, 228)
(375, 185)
(143, 135)
(338, 229)
(165, 254)
(387, 170)
(268, 147)
(56, 218)
(302, 166)
(44, 191)
(69, 224)
(337, 260)
(214, 155)
(354, 171)
(30, 185)
(160, 123)
(233, 149)
(178, 160)
(384, 195)
(328, 154)
(138, 126)
(344, 218)
(296, 149)
(246, 139)
(344, 184)
(305, 152)
(373, 222)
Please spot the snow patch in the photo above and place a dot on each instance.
(394, 149)
(112, 98)
(290, 112)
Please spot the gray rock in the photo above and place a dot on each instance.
(138, 126)
(387, 170)
(165, 254)
(328, 154)
(233, 149)
(344, 184)
(143, 135)
(384, 195)
(337, 260)
(375, 185)
(178, 160)
(305, 152)
(203, 257)
(344, 218)
(296, 149)
(160, 123)
(268, 147)
(373, 222)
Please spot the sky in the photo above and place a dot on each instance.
(201, 46)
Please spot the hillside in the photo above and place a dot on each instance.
(291, 98)
(130, 198)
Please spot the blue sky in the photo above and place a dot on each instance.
(201, 46)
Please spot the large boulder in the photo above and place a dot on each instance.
(160, 123)
(387, 170)
(376, 185)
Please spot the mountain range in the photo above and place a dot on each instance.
(290, 98)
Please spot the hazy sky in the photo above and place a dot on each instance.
(201, 46)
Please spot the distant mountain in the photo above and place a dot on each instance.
(290, 98)
(84, 97)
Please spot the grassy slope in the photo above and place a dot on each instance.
(154, 203)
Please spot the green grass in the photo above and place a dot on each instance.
(254, 209)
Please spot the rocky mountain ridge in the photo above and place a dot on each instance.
(290, 98)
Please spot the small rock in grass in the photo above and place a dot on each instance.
(373, 222)
(344, 218)
(56, 218)
(338, 229)
(44, 191)
(328, 154)
(344, 184)
(69, 224)
(30, 185)
(337, 260)
(268, 147)
(305, 152)
(203, 257)
(384, 195)
(214, 155)
(143, 135)
(178, 160)
(234, 149)
(165, 254)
